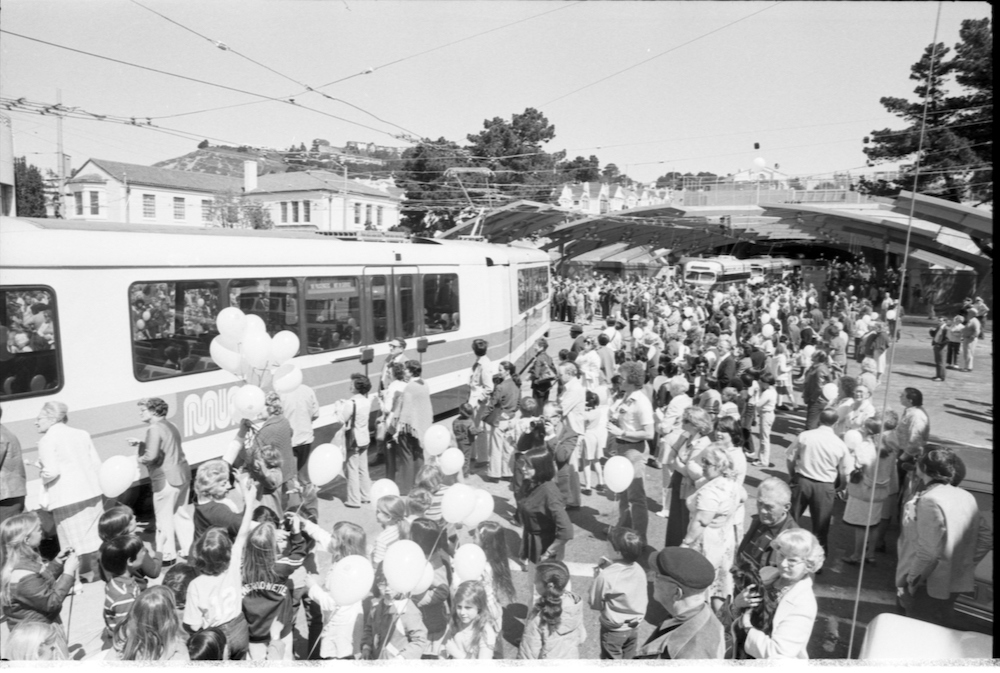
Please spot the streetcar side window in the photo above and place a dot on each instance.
(407, 305)
(532, 287)
(29, 349)
(441, 303)
(380, 309)
(273, 300)
(333, 313)
(173, 324)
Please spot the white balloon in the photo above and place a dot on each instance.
(326, 462)
(254, 324)
(451, 461)
(436, 440)
(458, 503)
(116, 475)
(481, 510)
(222, 356)
(231, 322)
(760, 162)
(382, 488)
(352, 579)
(768, 331)
(403, 565)
(284, 346)
(831, 391)
(618, 473)
(765, 318)
(286, 378)
(686, 325)
(249, 400)
(425, 580)
(256, 348)
(853, 439)
(470, 562)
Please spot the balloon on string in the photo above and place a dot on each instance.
(773, 313)
(146, 315)
(326, 462)
(224, 357)
(284, 346)
(853, 439)
(760, 162)
(254, 324)
(436, 440)
(469, 563)
(618, 473)
(249, 401)
(481, 510)
(117, 474)
(890, 314)
(403, 566)
(286, 378)
(256, 348)
(688, 311)
(458, 503)
(451, 461)
(686, 325)
(352, 578)
(382, 488)
(425, 580)
(767, 331)
(765, 318)
(231, 322)
(201, 302)
(140, 324)
(830, 391)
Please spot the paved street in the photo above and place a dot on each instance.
(958, 411)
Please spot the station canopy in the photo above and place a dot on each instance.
(944, 233)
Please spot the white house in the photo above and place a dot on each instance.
(764, 176)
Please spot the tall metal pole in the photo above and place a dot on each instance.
(345, 195)
(127, 194)
(62, 157)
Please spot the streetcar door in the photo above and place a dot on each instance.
(390, 300)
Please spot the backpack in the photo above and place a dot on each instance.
(543, 370)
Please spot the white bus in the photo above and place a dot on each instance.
(710, 272)
(100, 315)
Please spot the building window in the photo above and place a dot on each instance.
(378, 216)
(178, 207)
(357, 213)
(284, 212)
(95, 204)
(368, 215)
(295, 211)
(149, 205)
(206, 210)
(305, 211)
(78, 198)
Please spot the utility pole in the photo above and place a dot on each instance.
(344, 165)
(128, 192)
(62, 157)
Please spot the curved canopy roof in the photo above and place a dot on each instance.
(942, 232)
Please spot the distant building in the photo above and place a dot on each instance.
(596, 198)
(766, 177)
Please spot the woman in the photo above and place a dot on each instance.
(70, 467)
(777, 618)
(541, 510)
(356, 440)
(857, 413)
(480, 388)
(954, 335)
(765, 404)
(270, 428)
(783, 377)
(866, 497)
(414, 416)
(696, 426)
(400, 377)
(943, 538)
(543, 373)
(869, 375)
(498, 417)
(152, 631)
(711, 508)
(589, 364)
(844, 402)
(878, 346)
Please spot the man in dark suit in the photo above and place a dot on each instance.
(169, 473)
(725, 371)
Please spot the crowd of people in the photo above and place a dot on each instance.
(681, 382)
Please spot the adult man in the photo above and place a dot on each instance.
(816, 457)
(12, 478)
(939, 344)
(576, 334)
(414, 414)
(910, 436)
(499, 412)
(396, 354)
(169, 473)
(816, 377)
(572, 406)
(973, 328)
(680, 585)
(725, 370)
(774, 502)
(612, 333)
(607, 356)
(300, 407)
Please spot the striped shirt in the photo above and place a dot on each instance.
(119, 595)
(388, 535)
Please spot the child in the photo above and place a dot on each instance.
(151, 632)
(496, 578)
(465, 435)
(268, 588)
(390, 512)
(729, 408)
(595, 438)
(619, 592)
(417, 503)
(30, 589)
(120, 588)
(213, 506)
(433, 603)
(177, 579)
(470, 633)
(207, 645)
(36, 641)
(120, 520)
(432, 480)
(213, 598)
(342, 624)
(554, 626)
(395, 629)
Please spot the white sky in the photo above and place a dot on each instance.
(801, 78)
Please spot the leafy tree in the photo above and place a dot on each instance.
(581, 170)
(203, 144)
(611, 173)
(29, 189)
(438, 197)
(233, 210)
(513, 150)
(955, 161)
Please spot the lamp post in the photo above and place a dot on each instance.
(343, 195)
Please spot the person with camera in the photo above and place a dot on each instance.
(872, 472)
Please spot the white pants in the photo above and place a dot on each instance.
(166, 502)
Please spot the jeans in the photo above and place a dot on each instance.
(920, 605)
(632, 509)
(953, 349)
(813, 411)
(359, 484)
(939, 367)
(302, 461)
(166, 502)
(618, 644)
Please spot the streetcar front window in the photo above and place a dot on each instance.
(700, 277)
(29, 349)
(333, 313)
(173, 324)
(532, 287)
(441, 303)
